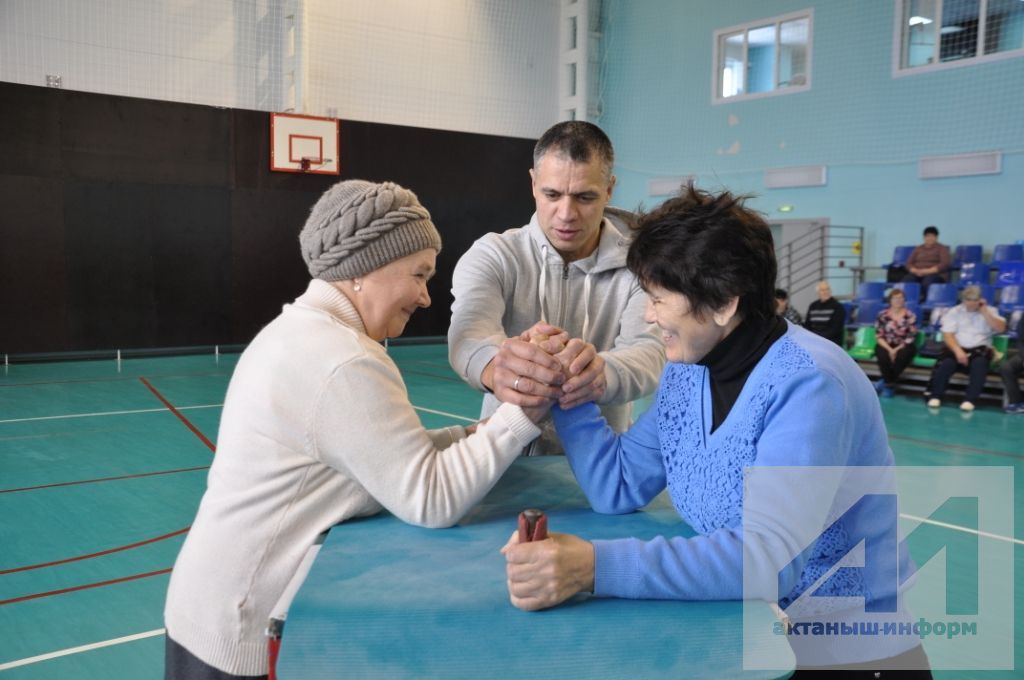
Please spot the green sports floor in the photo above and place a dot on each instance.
(102, 465)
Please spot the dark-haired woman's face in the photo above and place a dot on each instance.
(687, 338)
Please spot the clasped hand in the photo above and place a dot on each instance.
(543, 365)
(542, 574)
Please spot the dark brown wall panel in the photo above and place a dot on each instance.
(131, 224)
(33, 278)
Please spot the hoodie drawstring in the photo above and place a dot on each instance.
(543, 280)
(586, 306)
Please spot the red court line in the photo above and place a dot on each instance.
(96, 554)
(170, 406)
(106, 479)
(72, 589)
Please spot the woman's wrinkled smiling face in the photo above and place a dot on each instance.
(389, 295)
(687, 337)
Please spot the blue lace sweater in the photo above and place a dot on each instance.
(804, 404)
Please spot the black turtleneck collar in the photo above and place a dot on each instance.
(730, 362)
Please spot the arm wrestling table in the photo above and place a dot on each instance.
(386, 599)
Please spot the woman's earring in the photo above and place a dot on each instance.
(356, 287)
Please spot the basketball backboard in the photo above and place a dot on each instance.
(301, 143)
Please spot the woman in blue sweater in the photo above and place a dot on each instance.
(742, 388)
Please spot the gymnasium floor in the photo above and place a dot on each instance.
(102, 466)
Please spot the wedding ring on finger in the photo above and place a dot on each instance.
(515, 385)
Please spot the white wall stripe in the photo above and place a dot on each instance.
(84, 648)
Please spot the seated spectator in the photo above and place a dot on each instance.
(783, 309)
(826, 316)
(895, 332)
(967, 330)
(929, 263)
(1010, 372)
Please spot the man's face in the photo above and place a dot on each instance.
(930, 239)
(824, 291)
(571, 198)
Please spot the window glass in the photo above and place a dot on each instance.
(958, 37)
(793, 36)
(761, 59)
(919, 24)
(935, 32)
(731, 49)
(768, 56)
(1004, 26)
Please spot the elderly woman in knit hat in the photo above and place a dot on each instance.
(317, 428)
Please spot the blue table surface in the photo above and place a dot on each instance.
(386, 599)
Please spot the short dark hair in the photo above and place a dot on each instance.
(710, 248)
(580, 141)
(781, 294)
(931, 230)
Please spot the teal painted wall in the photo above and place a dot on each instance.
(868, 127)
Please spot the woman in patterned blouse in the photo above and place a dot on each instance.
(895, 332)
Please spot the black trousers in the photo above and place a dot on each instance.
(1011, 370)
(976, 369)
(181, 664)
(890, 368)
(910, 665)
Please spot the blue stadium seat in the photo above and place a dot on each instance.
(1011, 298)
(973, 274)
(900, 255)
(915, 307)
(871, 290)
(971, 253)
(868, 310)
(941, 295)
(1009, 272)
(941, 298)
(911, 290)
(1012, 306)
(1007, 251)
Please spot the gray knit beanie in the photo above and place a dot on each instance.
(358, 226)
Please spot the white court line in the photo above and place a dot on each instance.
(161, 631)
(440, 413)
(106, 413)
(84, 648)
(966, 530)
(186, 408)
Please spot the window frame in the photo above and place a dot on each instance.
(717, 58)
(899, 71)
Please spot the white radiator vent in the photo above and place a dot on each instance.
(960, 165)
(668, 186)
(798, 176)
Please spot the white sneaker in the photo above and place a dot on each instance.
(966, 406)
(935, 403)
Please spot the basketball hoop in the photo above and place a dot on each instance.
(306, 163)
